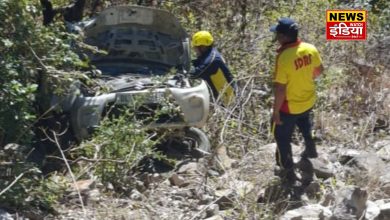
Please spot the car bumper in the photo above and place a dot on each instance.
(193, 105)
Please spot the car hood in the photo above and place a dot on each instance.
(135, 34)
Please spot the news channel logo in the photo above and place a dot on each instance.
(346, 24)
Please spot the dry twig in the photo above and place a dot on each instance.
(71, 174)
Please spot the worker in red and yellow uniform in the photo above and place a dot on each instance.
(297, 66)
(211, 67)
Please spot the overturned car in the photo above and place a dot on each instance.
(146, 61)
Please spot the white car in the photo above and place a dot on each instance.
(144, 46)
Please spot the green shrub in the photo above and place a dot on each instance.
(31, 58)
(117, 146)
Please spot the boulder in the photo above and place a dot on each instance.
(381, 144)
(135, 195)
(268, 148)
(384, 182)
(384, 209)
(177, 180)
(365, 167)
(222, 159)
(213, 173)
(345, 155)
(236, 189)
(322, 168)
(328, 200)
(350, 203)
(372, 211)
(205, 199)
(384, 151)
(187, 168)
(369, 162)
(212, 210)
(138, 214)
(308, 212)
(215, 217)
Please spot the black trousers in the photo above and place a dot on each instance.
(283, 134)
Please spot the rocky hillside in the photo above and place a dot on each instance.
(343, 183)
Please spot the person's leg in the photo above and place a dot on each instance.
(283, 133)
(304, 125)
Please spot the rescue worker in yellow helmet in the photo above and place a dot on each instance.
(210, 66)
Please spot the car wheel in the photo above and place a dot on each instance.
(198, 139)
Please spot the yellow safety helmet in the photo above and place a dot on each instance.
(202, 38)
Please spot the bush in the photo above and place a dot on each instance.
(23, 187)
(117, 147)
(31, 58)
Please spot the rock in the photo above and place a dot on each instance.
(5, 215)
(384, 182)
(187, 168)
(84, 185)
(183, 193)
(213, 173)
(12, 147)
(206, 199)
(237, 188)
(384, 152)
(135, 195)
(140, 186)
(212, 210)
(269, 148)
(365, 167)
(177, 180)
(215, 217)
(150, 178)
(87, 191)
(178, 198)
(308, 212)
(369, 162)
(381, 201)
(242, 188)
(384, 211)
(222, 160)
(345, 155)
(225, 200)
(328, 200)
(322, 168)
(110, 186)
(138, 214)
(94, 195)
(362, 160)
(313, 189)
(382, 144)
(372, 211)
(350, 203)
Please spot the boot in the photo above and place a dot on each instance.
(286, 175)
(309, 153)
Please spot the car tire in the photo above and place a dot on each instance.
(199, 138)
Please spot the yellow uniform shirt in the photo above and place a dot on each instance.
(295, 65)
